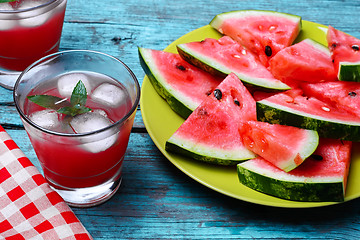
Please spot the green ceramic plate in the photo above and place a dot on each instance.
(161, 122)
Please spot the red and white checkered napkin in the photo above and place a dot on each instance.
(29, 208)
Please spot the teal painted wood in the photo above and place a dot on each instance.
(155, 24)
(156, 200)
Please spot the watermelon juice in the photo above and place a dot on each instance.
(81, 155)
(29, 30)
(76, 163)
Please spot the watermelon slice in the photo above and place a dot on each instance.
(211, 133)
(224, 56)
(345, 53)
(342, 94)
(293, 109)
(307, 61)
(175, 80)
(321, 177)
(263, 32)
(284, 146)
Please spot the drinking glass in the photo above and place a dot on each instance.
(29, 30)
(81, 156)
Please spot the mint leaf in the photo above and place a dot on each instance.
(4, 1)
(62, 105)
(73, 111)
(79, 95)
(48, 101)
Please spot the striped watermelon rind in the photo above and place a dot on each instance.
(183, 107)
(203, 153)
(326, 127)
(283, 185)
(349, 71)
(210, 133)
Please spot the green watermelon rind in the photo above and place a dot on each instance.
(177, 102)
(216, 68)
(327, 128)
(202, 152)
(307, 148)
(318, 46)
(220, 18)
(324, 189)
(349, 71)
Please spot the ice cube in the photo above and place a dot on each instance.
(67, 83)
(108, 94)
(101, 112)
(29, 4)
(36, 20)
(47, 118)
(6, 21)
(92, 121)
(7, 24)
(6, 7)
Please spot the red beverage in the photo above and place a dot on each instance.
(79, 136)
(81, 161)
(29, 30)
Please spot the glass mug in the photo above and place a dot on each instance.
(81, 155)
(29, 30)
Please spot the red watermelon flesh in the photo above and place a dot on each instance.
(211, 131)
(284, 146)
(296, 101)
(331, 159)
(215, 121)
(172, 77)
(225, 55)
(184, 76)
(306, 61)
(321, 177)
(344, 47)
(262, 32)
(343, 95)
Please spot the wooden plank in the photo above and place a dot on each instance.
(156, 200)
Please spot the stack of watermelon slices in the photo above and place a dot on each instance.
(274, 107)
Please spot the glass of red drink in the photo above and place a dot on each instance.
(81, 155)
(29, 30)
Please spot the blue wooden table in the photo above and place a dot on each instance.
(156, 200)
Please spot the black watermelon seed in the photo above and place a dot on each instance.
(352, 94)
(180, 67)
(317, 157)
(355, 47)
(236, 102)
(268, 51)
(334, 45)
(218, 94)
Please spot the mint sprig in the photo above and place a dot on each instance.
(62, 105)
